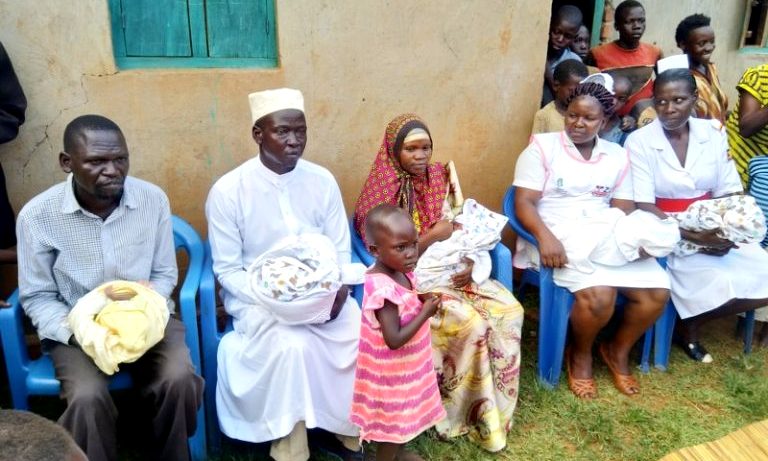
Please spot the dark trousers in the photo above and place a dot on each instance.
(164, 377)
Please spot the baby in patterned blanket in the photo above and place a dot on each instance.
(737, 218)
(298, 278)
(478, 231)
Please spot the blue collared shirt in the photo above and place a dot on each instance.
(65, 251)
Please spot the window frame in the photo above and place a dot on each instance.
(198, 39)
(762, 48)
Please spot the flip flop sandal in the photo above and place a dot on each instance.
(626, 384)
(583, 388)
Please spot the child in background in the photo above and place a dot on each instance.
(696, 38)
(580, 46)
(617, 128)
(629, 56)
(562, 31)
(395, 395)
(566, 77)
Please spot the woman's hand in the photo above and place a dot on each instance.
(552, 253)
(463, 277)
(439, 231)
(712, 243)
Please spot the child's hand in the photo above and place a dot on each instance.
(628, 123)
(432, 303)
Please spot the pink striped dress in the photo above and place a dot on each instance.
(395, 396)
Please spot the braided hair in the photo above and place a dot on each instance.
(604, 97)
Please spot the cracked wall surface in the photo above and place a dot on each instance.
(471, 69)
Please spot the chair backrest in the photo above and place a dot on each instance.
(185, 237)
(509, 211)
(358, 245)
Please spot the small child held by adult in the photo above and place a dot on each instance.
(395, 394)
(566, 77)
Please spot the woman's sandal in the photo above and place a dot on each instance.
(626, 384)
(583, 388)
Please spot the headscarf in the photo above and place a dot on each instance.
(388, 182)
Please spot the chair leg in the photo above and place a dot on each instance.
(197, 445)
(749, 330)
(662, 338)
(645, 365)
(562, 304)
(546, 313)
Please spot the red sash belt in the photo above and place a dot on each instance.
(676, 205)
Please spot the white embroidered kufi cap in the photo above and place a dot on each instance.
(269, 101)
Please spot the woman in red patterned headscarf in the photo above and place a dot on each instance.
(421, 191)
(476, 336)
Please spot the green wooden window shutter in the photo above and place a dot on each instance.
(193, 33)
(240, 28)
(156, 28)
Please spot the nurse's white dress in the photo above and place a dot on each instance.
(271, 376)
(699, 282)
(575, 206)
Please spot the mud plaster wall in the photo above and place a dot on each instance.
(471, 69)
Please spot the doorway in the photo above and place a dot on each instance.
(593, 15)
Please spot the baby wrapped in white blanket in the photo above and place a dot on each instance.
(480, 231)
(297, 279)
(737, 218)
(117, 322)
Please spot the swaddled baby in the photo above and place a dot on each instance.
(297, 279)
(737, 218)
(480, 231)
(117, 322)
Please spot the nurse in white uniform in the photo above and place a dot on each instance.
(677, 160)
(569, 183)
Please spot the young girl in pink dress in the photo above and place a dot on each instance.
(395, 395)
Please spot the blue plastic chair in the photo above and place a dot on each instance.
(555, 305)
(501, 258)
(210, 336)
(37, 377)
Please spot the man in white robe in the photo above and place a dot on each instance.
(276, 380)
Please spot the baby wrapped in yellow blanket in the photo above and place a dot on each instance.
(118, 322)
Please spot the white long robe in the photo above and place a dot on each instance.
(699, 282)
(267, 382)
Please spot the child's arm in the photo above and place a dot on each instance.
(395, 335)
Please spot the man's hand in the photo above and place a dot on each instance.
(338, 302)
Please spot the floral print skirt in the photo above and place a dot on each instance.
(476, 347)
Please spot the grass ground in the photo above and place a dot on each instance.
(689, 404)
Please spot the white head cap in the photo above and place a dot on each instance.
(269, 101)
(601, 79)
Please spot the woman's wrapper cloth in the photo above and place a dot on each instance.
(114, 332)
(297, 279)
(737, 218)
(480, 232)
